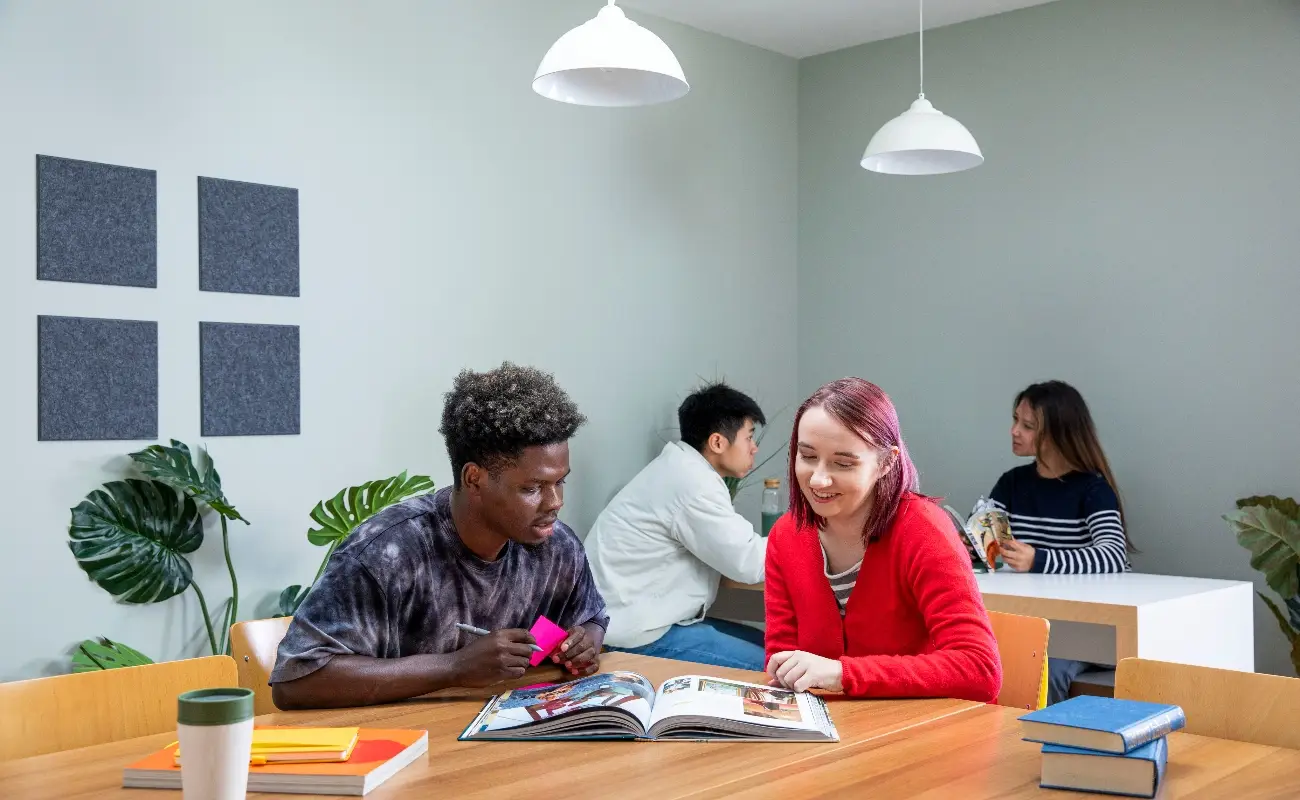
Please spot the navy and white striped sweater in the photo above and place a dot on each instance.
(1072, 522)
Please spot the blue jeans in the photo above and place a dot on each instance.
(1061, 672)
(710, 641)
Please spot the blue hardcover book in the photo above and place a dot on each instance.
(1102, 723)
(1135, 774)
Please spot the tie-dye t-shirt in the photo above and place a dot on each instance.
(399, 584)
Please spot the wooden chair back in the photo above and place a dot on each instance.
(63, 712)
(1223, 703)
(1022, 644)
(254, 644)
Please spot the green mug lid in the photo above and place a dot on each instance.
(224, 706)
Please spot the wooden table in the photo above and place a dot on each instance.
(501, 769)
(978, 755)
(935, 749)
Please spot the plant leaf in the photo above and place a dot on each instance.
(195, 476)
(1273, 540)
(1289, 507)
(131, 538)
(102, 653)
(1292, 634)
(291, 598)
(341, 514)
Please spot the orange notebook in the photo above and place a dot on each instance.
(377, 756)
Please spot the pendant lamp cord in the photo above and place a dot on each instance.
(921, 16)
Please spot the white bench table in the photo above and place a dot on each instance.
(1105, 618)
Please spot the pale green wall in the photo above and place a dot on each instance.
(1133, 231)
(450, 218)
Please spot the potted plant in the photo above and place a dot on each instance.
(131, 537)
(340, 515)
(1269, 527)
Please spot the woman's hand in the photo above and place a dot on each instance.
(801, 671)
(1018, 555)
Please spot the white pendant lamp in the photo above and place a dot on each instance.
(610, 61)
(922, 140)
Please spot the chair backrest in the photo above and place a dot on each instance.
(254, 644)
(1022, 644)
(1223, 703)
(63, 712)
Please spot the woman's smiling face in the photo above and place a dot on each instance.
(837, 471)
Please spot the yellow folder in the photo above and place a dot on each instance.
(299, 745)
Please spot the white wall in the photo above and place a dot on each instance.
(1133, 231)
(449, 218)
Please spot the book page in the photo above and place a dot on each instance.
(752, 703)
(626, 691)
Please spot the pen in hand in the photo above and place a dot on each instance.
(480, 632)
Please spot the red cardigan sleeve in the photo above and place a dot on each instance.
(965, 662)
(782, 630)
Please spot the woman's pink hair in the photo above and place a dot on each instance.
(862, 407)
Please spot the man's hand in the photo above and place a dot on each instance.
(494, 658)
(579, 653)
(801, 671)
(1018, 555)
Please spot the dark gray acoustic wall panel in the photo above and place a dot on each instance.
(250, 379)
(96, 223)
(248, 238)
(97, 379)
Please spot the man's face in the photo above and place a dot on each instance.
(736, 458)
(523, 500)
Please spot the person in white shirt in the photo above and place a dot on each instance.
(659, 547)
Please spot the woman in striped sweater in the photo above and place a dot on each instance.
(1065, 511)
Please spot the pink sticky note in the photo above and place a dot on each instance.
(534, 686)
(548, 636)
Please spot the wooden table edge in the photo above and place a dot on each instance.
(838, 746)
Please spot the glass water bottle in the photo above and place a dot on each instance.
(771, 506)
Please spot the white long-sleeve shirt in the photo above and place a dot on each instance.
(658, 549)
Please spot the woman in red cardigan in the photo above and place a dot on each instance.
(868, 590)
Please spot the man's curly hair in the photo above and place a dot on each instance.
(489, 418)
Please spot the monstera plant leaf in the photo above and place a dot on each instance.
(131, 538)
(102, 653)
(195, 476)
(349, 508)
(1273, 540)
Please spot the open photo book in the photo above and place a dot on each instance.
(624, 705)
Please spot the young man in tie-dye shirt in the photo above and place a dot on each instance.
(490, 552)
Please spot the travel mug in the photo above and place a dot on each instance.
(215, 728)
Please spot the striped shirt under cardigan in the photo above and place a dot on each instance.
(843, 583)
(1072, 522)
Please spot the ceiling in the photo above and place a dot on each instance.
(801, 28)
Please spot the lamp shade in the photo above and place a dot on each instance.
(610, 61)
(922, 141)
